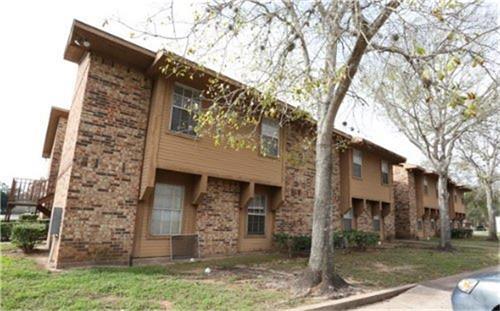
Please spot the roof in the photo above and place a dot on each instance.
(84, 37)
(369, 145)
(414, 167)
(55, 114)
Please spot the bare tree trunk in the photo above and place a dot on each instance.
(444, 215)
(492, 228)
(321, 268)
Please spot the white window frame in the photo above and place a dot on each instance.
(426, 186)
(382, 172)
(154, 207)
(173, 106)
(262, 212)
(275, 125)
(357, 155)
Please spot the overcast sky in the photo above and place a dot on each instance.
(35, 77)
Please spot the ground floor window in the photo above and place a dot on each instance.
(256, 221)
(167, 209)
(347, 220)
(419, 224)
(433, 224)
(376, 223)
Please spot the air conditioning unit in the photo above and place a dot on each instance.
(184, 246)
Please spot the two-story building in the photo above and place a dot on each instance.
(416, 197)
(135, 182)
(367, 200)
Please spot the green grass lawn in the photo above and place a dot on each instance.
(242, 282)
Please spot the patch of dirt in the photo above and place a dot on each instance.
(385, 268)
(166, 305)
(257, 276)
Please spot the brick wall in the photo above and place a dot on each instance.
(364, 219)
(55, 155)
(217, 218)
(295, 216)
(405, 203)
(101, 163)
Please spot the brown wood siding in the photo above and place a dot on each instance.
(370, 186)
(147, 245)
(153, 136)
(430, 199)
(201, 156)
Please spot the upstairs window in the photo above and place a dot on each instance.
(456, 199)
(376, 223)
(357, 163)
(167, 209)
(347, 220)
(186, 100)
(426, 186)
(269, 138)
(385, 172)
(256, 221)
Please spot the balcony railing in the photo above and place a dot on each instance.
(26, 192)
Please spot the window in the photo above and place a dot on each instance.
(347, 220)
(185, 101)
(357, 163)
(376, 223)
(269, 138)
(385, 172)
(433, 224)
(455, 196)
(257, 215)
(426, 186)
(419, 224)
(167, 209)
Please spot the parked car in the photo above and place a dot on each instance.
(480, 292)
(480, 228)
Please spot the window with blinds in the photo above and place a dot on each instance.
(357, 163)
(347, 220)
(269, 138)
(376, 223)
(166, 216)
(256, 221)
(385, 172)
(185, 101)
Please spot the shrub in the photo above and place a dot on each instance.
(461, 233)
(354, 239)
(28, 217)
(293, 244)
(26, 235)
(6, 230)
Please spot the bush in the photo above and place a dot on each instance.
(293, 245)
(6, 230)
(356, 239)
(461, 233)
(26, 235)
(28, 217)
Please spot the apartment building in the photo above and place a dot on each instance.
(417, 208)
(133, 182)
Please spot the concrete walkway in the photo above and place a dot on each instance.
(431, 295)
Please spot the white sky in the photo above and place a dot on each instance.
(35, 77)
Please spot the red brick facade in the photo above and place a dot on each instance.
(102, 161)
(295, 216)
(405, 202)
(55, 155)
(217, 218)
